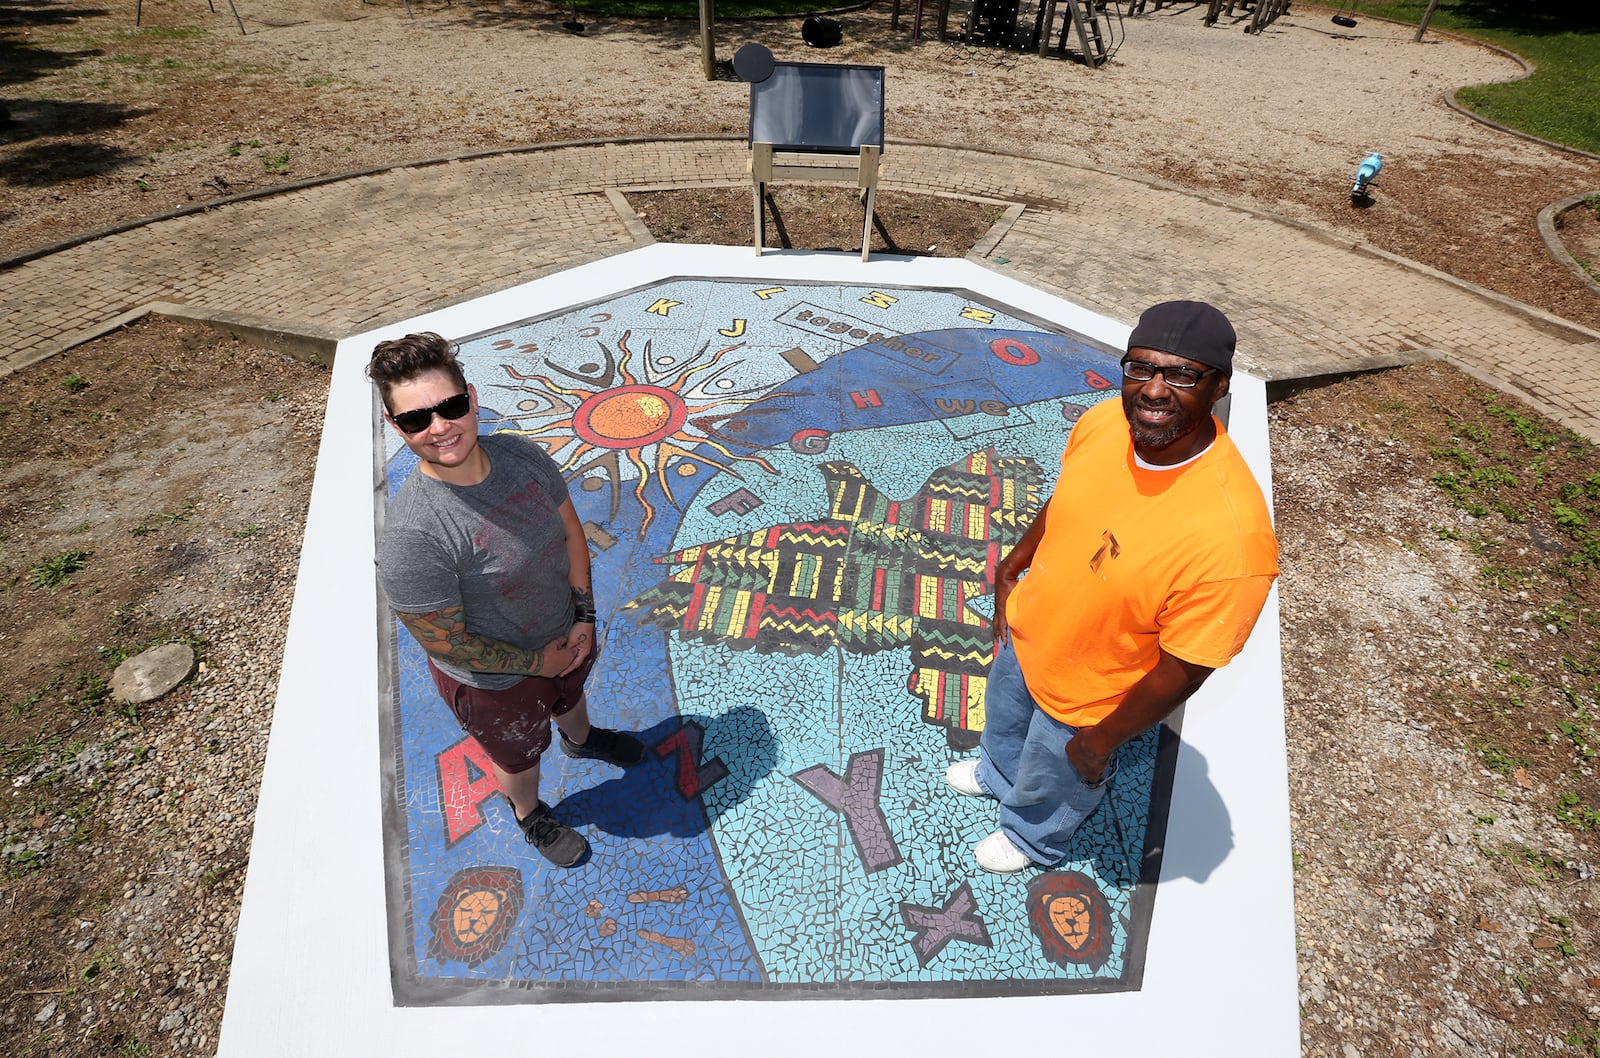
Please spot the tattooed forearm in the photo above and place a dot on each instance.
(583, 611)
(444, 632)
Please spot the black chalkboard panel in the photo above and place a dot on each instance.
(813, 106)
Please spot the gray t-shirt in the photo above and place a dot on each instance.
(497, 548)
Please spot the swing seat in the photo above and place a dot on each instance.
(1344, 20)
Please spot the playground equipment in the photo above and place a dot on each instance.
(1366, 173)
(573, 25)
(138, 13)
(1262, 12)
(1341, 18)
(1045, 25)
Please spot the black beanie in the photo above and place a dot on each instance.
(1190, 329)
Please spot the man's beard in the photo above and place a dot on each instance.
(1156, 437)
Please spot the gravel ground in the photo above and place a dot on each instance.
(1440, 907)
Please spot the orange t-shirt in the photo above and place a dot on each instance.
(1136, 561)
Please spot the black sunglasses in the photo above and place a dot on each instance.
(418, 419)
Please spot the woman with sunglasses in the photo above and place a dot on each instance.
(484, 561)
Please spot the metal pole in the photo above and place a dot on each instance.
(708, 42)
(1423, 25)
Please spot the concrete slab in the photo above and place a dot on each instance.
(391, 912)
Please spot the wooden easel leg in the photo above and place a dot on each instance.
(867, 179)
(760, 215)
(866, 227)
(760, 174)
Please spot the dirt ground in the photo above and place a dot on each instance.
(1579, 229)
(1438, 591)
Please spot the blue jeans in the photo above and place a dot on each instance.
(1023, 764)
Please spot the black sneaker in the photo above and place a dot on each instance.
(613, 747)
(556, 841)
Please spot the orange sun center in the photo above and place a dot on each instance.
(628, 416)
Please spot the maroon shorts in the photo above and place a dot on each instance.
(513, 725)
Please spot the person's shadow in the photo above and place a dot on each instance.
(695, 767)
(1204, 834)
(1187, 835)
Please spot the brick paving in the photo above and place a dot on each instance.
(347, 255)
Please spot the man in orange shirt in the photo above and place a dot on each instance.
(1145, 572)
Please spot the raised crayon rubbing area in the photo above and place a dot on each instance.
(795, 496)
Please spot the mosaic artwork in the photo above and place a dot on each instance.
(795, 498)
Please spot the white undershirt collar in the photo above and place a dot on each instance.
(1139, 460)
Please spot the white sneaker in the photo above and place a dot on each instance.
(963, 778)
(996, 853)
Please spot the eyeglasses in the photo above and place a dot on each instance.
(1177, 377)
(452, 408)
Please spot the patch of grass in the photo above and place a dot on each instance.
(1561, 38)
(1470, 431)
(23, 861)
(1571, 811)
(1560, 617)
(1584, 1040)
(1568, 519)
(1491, 478)
(1501, 577)
(275, 163)
(1564, 945)
(155, 520)
(1527, 430)
(92, 690)
(1486, 470)
(74, 383)
(1498, 759)
(114, 656)
(1578, 734)
(23, 708)
(245, 532)
(56, 570)
(104, 962)
(1546, 867)
(170, 33)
